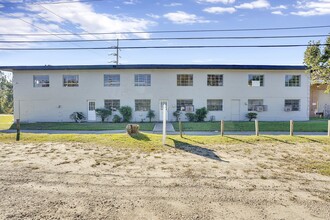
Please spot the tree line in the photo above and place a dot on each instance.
(6, 94)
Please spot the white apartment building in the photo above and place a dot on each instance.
(229, 92)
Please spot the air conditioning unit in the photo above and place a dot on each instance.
(255, 83)
(260, 108)
(189, 108)
(288, 108)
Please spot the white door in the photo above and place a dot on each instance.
(91, 114)
(235, 109)
(161, 106)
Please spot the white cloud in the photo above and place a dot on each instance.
(1, 6)
(280, 7)
(174, 4)
(130, 2)
(254, 4)
(181, 17)
(85, 19)
(216, 1)
(320, 7)
(219, 10)
(153, 16)
(277, 12)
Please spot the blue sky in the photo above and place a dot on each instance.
(100, 16)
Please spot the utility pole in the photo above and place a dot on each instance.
(116, 54)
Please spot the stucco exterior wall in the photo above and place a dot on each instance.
(56, 103)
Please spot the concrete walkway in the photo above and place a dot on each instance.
(159, 128)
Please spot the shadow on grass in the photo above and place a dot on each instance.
(239, 140)
(194, 149)
(279, 140)
(198, 142)
(310, 139)
(140, 137)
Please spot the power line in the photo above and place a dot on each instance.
(177, 31)
(167, 38)
(169, 47)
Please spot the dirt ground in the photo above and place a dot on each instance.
(241, 181)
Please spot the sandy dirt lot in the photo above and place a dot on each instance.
(241, 181)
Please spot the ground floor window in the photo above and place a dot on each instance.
(254, 103)
(214, 104)
(182, 104)
(113, 104)
(142, 105)
(292, 105)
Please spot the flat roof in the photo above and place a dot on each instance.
(155, 66)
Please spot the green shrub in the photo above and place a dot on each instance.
(126, 112)
(151, 114)
(191, 116)
(103, 113)
(176, 114)
(77, 117)
(201, 114)
(251, 115)
(116, 119)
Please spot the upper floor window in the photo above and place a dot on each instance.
(40, 81)
(70, 80)
(113, 104)
(142, 105)
(214, 104)
(254, 103)
(184, 105)
(142, 80)
(215, 80)
(256, 80)
(184, 80)
(292, 105)
(112, 80)
(292, 80)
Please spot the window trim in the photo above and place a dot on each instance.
(144, 82)
(142, 100)
(73, 84)
(178, 108)
(216, 84)
(112, 104)
(261, 79)
(41, 84)
(111, 83)
(253, 105)
(216, 110)
(190, 80)
(294, 84)
(292, 108)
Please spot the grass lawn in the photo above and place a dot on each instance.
(299, 126)
(6, 121)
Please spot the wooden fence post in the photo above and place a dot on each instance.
(180, 128)
(222, 127)
(18, 130)
(257, 127)
(328, 128)
(291, 127)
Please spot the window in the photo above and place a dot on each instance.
(184, 80)
(214, 104)
(70, 80)
(256, 80)
(112, 80)
(113, 104)
(253, 103)
(142, 79)
(142, 105)
(183, 103)
(292, 80)
(292, 104)
(40, 81)
(215, 80)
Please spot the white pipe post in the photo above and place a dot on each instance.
(164, 124)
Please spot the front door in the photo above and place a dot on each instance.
(161, 109)
(235, 109)
(91, 114)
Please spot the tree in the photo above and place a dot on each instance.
(103, 113)
(317, 60)
(151, 114)
(6, 94)
(126, 112)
